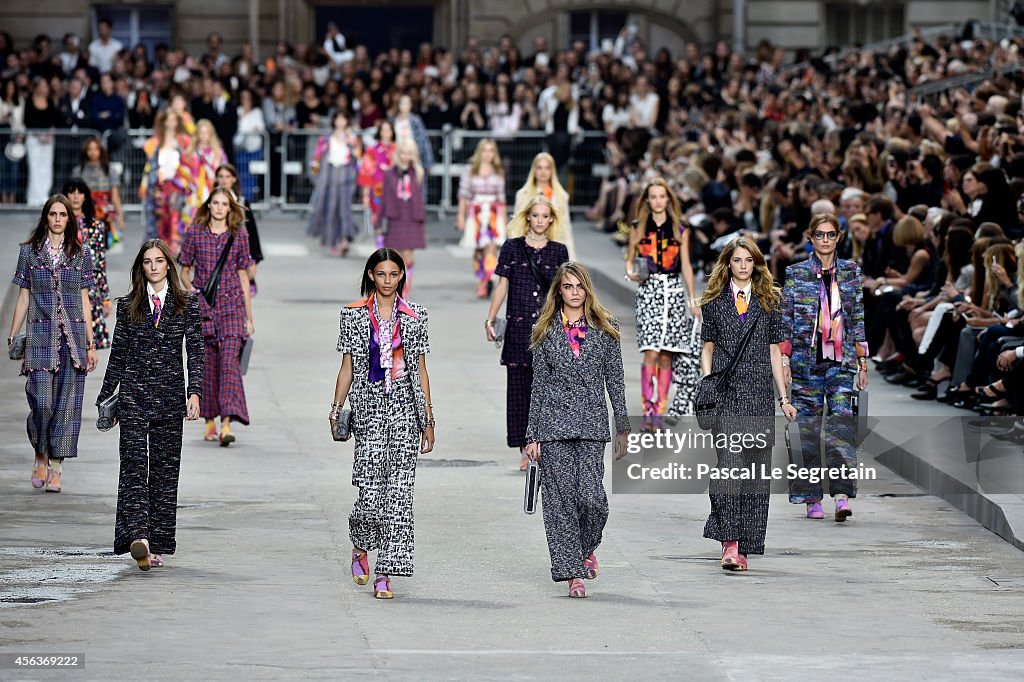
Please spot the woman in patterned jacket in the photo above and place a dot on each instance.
(383, 375)
(93, 234)
(54, 277)
(576, 360)
(481, 213)
(666, 306)
(146, 370)
(740, 293)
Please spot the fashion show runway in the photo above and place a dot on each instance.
(260, 587)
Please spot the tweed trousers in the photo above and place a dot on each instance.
(517, 404)
(55, 407)
(147, 489)
(223, 390)
(574, 501)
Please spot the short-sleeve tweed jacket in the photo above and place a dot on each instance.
(55, 299)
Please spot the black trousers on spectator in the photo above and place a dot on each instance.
(147, 490)
(984, 368)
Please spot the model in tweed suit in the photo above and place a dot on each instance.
(146, 371)
(568, 428)
(739, 508)
(384, 341)
(827, 349)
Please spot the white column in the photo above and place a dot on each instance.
(739, 26)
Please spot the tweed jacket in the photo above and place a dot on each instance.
(52, 305)
(800, 311)
(354, 340)
(751, 392)
(146, 365)
(568, 397)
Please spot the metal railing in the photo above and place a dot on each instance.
(37, 162)
(288, 157)
(966, 80)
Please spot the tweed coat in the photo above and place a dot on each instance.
(146, 363)
(354, 339)
(800, 311)
(568, 397)
(751, 392)
(52, 306)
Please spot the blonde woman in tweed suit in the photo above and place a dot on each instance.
(576, 359)
(741, 292)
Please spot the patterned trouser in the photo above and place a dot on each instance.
(387, 438)
(223, 390)
(739, 508)
(685, 376)
(147, 490)
(813, 387)
(517, 404)
(575, 504)
(55, 408)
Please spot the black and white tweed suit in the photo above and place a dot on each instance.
(146, 370)
(569, 418)
(739, 508)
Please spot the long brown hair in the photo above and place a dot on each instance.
(236, 214)
(1006, 256)
(763, 284)
(71, 244)
(674, 211)
(138, 297)
(83, 157)
(597, 315)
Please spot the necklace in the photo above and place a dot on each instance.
(530, 237)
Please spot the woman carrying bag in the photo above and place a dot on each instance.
(383, 374)
(526, 267)
(215, 261)
(145, 369)
(577, 359)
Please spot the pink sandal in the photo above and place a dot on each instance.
(360, 568)
(590, 564)
(382, 588)
(577, 589)
(156, 560)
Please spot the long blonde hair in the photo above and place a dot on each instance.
(409, 146)
(673, 210)
(763, 284)
(520, 225)
(598, 317)
(214, 140)
(476, 159)
(530, 186)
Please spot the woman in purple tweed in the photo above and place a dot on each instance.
(228, 322)
(54, 275)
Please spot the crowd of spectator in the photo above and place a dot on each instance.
(751, 148)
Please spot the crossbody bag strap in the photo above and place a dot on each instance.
(726, 375)
(210, 289)
(544, 284)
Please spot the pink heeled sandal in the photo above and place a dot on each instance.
(360, 568)
(382, 588)
(577, 589)
(590, 564)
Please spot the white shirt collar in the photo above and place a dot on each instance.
(745, 290)
(153, 292)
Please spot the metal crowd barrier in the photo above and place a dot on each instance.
(289, 155)
(22, 159)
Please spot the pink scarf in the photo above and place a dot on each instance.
(830, 317)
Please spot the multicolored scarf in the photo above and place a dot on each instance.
(830, 315)
(576, 332)
(404, 190)
(385, 356)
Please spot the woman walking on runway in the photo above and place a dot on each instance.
(93, 234)
(383, 374)
(227, 177)
(54, 277)
(741, 294)
(335, 163)
(145, 369)
(167, 180)
(104, 182)
(576, 360)
(543, 179)
(218, 233)
(481, 214)
(526, 268)
(666, 334)
(402, 207)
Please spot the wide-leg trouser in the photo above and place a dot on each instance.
(387, 448)
(147, 489)
(814, 388)
(517, 404)
(739, 507)
(574, 501)
(55, 407)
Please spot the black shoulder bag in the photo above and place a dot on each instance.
(710, 389)
(209, 289)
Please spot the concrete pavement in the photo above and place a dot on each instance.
(260, 587)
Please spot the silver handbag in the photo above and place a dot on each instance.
(641, 269)
(531, 495)
(17, 349)
(341, 428)
(499, 326)
(108, 413)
